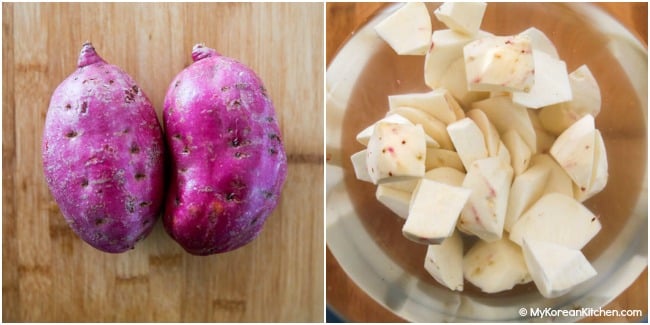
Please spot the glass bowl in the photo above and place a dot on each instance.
(365, 237)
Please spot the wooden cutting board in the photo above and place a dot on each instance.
(50, 275)
(343, 295)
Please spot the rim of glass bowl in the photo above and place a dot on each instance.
(380, 278)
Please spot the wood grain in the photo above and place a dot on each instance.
(343, 295)
(50, 275)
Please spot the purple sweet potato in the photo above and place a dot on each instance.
(102, 155)
(228, 162)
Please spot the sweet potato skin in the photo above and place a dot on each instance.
(228, 161)
(102, 152)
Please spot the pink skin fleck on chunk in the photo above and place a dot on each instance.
(493, 192)
(476, 216)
